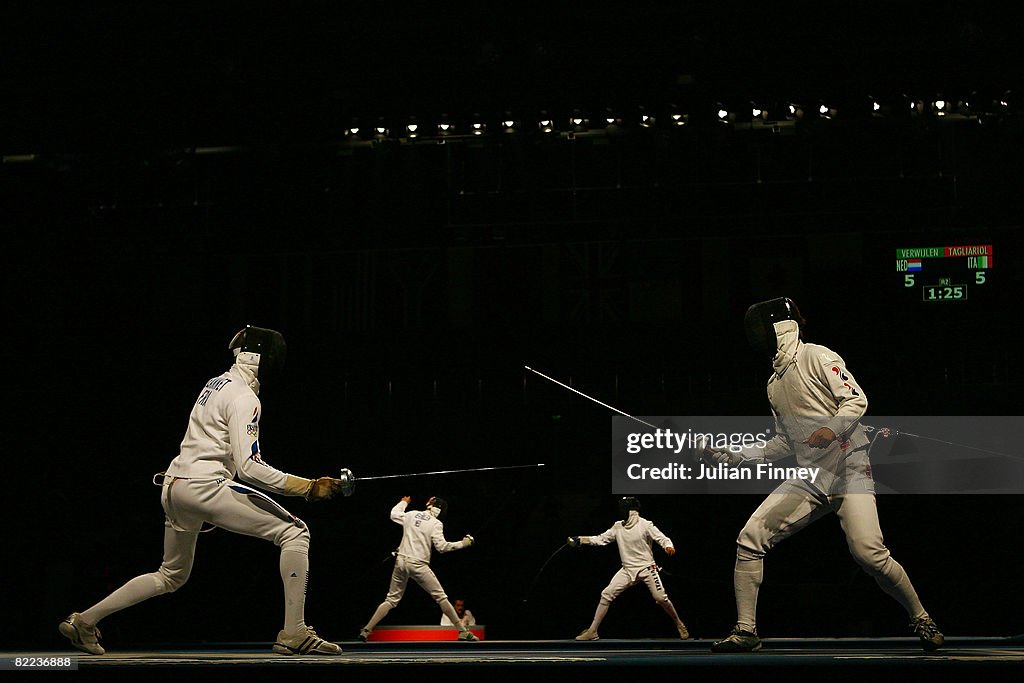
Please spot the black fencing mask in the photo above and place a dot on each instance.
(268, 346)
(759, 323)
(625, 505)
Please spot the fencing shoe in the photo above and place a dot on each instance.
(588, 634)
(738, 641)
(684, 633)
(931, 637)
(467, 635)
(305, 642)
(364, 634)
(85, 638)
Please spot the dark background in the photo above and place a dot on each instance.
(413, 282)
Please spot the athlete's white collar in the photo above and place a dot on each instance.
(246, 365)
(632, 520)
(788, 334)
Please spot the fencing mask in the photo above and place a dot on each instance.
(438, 507)
(759, 323)
(264, 348)
(625, 505)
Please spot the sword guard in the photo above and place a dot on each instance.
(348, 484)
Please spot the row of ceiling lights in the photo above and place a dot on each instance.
(755, 113)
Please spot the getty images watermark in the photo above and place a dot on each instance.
(836, 455)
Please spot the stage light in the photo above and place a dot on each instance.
(478, 126)
(445, 126)
(509, 123)
(678, 116)
(939, 106)
(612, 120)
(579, 123)
(647, 119)
(794, 111)
(381, 129)
(412, 128)
(826, 112)
(546, 124)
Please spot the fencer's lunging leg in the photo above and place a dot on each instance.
(670, 610)
(858, 516)
(746, 578)
(179, 552)
(600, 612)
(787, 510)
(295, 577)
(399, 580)
(449, 611)
(381, 612)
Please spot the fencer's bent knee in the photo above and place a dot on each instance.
(747, 552)
(871, 555)
(294, 538)
(170, 579)
(606, 597)
(751, 545)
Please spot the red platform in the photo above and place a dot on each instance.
(420, 633)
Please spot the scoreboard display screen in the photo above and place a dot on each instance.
(946, 274)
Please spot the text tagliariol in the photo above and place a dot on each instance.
(760, 471)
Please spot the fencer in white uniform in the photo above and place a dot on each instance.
(222, 441)
(421, 532)
(634, 537)
(817, 405)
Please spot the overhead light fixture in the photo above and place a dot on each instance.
(478, 126)
(678, 116)
(445, 125)
(546, 124)
(412, 128)
(579, 122)
(826, 112)
(647, 119)
(612, 120)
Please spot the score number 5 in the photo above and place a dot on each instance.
(979, 278)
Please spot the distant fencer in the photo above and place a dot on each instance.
(421, 532)
(817, 406)
(634, 537)
(222, 441)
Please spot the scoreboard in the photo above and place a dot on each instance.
(946, 274)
